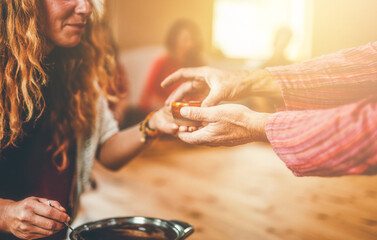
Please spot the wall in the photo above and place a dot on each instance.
(146, 22)
(339, 24)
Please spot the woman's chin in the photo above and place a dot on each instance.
(70, 45)
(73, 42)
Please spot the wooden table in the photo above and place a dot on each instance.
(239, 193)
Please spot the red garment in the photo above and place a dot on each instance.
(154, 96)
(330, 128)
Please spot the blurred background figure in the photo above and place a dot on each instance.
(281, 41)
(184, 46)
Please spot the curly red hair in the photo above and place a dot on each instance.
(84, 69)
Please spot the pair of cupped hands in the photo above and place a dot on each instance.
(222, 124)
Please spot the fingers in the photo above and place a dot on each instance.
(188, 88)
(195, 137)
(163, 121)
(180, 75)
(200, 114)
(214, 97)
(32, 232)
(192, 129)
(45, 225)
(53, 203)
(183, 128)
(199, 80)
(53, 213)
(179, 93)
(171, 129)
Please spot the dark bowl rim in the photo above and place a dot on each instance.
(179, 228)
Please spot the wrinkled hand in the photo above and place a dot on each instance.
(163, 120)
(224, 125)
(217, 84)
(220, 85)
(33, 218)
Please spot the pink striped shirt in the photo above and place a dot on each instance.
(329, 127)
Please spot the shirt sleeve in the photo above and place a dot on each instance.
(108, 125)
(330, 80)
(327, 142)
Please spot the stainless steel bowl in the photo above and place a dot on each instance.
(132, 228)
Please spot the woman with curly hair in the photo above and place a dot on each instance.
(54, 119)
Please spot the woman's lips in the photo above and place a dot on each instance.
(77, 26)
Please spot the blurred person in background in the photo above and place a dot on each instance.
(328, 127)
(281, 41)
(184, 49)
(54, 117)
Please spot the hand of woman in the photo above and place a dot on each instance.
(224, 125)
(218, 85)
(163, 121)
(33, 218)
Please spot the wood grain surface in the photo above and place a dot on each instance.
(239, 193)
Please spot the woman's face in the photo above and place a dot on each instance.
(63, 21)
(184, 42)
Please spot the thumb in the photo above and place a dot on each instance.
(196, 114)
(213, 98)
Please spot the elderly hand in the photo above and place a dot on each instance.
(224, 125)
(220, 85)
(163, 121)
(33, 218)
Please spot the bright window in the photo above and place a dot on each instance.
(246, 28)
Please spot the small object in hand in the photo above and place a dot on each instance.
(67, 224)
(181, 121)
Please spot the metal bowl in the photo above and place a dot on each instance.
(132, 228)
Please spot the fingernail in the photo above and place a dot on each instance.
(68, 219)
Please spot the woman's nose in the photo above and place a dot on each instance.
(83, 8)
